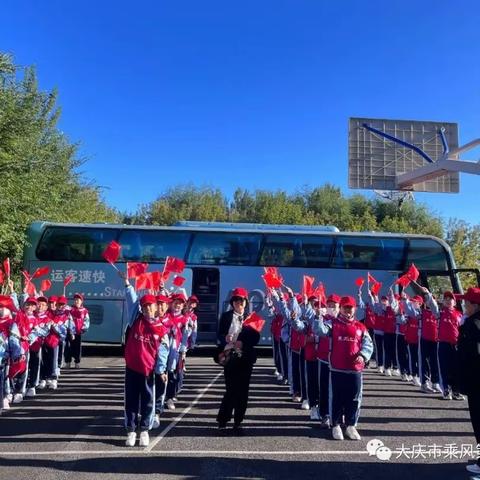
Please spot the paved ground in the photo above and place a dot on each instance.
(78, 430)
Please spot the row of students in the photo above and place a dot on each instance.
(161, 328)
(32, 331)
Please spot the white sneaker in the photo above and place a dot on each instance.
(437, 388)
(144, 439)
(409, 378)
(169, 404)
(314, 414)
(30, 393)
(279, 377)
(381, 369)
(416, 382)
(352, 433)
(426, 388)
(17, 398)
(9, 397)
(404, 378)
(297, 399)
(131, 437)
(337, 433)
(53, 385)
(77, 365)
(305, 405)
(396, 372)
(42, 384)
(156, 421)
(48, 383)
(6, 404)
(276, 373)
(388, 372)
(57, 372)
(473, 468)
(325, 422)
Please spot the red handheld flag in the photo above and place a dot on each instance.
(320, 293)
(359, 282)
(26, 275)
(31, 290)
(178, 281)
(403, 281)
(413, 273)
(67, 280)
(174, 265)
(371, 279)
(307, 288)
(254, 321)
(41, 272)
(156, 280)
(134, 269)
(2, 278)
(375, 288)
(6, 267)
(45, 285)
(112, 252)
(271, 281)
(144, 282)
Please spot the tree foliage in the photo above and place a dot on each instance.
(38, 164)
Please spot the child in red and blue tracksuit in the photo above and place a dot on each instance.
(351, 348)
(146, 353)
(79, 326)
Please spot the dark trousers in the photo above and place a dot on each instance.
(237, 372)
(276, 355)
(447, 359)
(402, 354)
(73, 349)
(378, 340)
(346, 397)
(298, 374)
(413, 359)
(139, 399)
(428, 361)
(374, 353)
(283, 359)
(61, 348)
(160, 391)
(34, 369)
(171, 384)
(48, 369)
(389, 348)
(312, 382)
(2, 384)
(474, 409)
(324, 384)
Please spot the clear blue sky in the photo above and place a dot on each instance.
(246, 93)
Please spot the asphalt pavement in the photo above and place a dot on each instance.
(77, 432)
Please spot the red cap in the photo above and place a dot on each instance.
(162, 299)
(78, 295)
(52, 298)
(42, 299)
(179, 296)
(7, 302)
(472, 295)
(418, 298)
(193, 298)
(334, 298)
(62, 300)
(31, 300)
(148, 300)
(240, 292)
(348, 302)
(448, 294)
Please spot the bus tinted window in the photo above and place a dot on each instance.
(224, 249)
(369, 253)
(74, 244)
(153, 245)
(296, 251)
(427, 254)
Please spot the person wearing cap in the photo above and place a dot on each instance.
(237, 343)
(192, 304)
(449, 319)
(52, 303)
(78, 327)
(423, 310)
(38, 379)
(351, 348)
(374, 305)
(469, 363)
(146, 353)
(402, 349)
(9, 346)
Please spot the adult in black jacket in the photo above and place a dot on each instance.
(469, 362)
(238, 369)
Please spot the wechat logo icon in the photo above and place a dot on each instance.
(377, 447)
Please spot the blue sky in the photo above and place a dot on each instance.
(246, 93)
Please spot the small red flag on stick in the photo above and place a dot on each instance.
(271, 281)
(2, 278)
(144, 282)
(375, 288)
(371, 279)
(359, 282)
(174, 265)
(178, 281)
(403, 281)
(41, 272)
(6, 267)
(413, 273)
(45, 285)
(307, 288)
(134, 269)
(254, 321)
(111, 253)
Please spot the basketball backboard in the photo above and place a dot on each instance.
(375, 161)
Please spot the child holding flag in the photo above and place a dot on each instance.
(78, 327)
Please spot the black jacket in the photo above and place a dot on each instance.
(469, 354)
(248, 336)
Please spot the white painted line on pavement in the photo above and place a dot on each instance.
(176, 420)
(163, 453)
